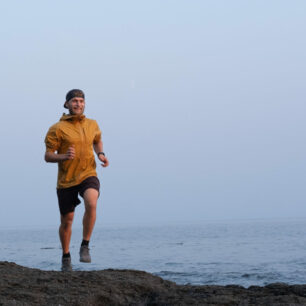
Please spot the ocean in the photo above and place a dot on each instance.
(253, 252)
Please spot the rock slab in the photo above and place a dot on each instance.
(25, 286)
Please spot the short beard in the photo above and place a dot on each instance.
(71, 113)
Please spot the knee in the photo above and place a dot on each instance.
(90, 207)
(90, 199)
(66, 223)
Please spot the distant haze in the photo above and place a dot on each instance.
(201, 105)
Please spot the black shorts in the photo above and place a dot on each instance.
(68, 197)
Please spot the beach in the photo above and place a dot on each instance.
(26, 286)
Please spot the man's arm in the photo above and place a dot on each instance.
(51, 157)
(98, 147)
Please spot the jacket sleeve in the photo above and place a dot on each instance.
(52, 139)
(97, 132)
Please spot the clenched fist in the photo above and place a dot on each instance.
(104, 160)
(70, 154)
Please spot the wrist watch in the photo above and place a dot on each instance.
(100, 153)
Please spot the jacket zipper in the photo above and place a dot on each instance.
(82, 134)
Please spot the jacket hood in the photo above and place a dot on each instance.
(72, 118)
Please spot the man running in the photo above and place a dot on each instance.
(70, 143)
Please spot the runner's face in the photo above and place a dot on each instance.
(76, 106)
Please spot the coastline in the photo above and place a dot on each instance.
(26, 286)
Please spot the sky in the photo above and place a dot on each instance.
(201, 105)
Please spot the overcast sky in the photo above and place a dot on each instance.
(201, 104)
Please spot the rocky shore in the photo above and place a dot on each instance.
(25, 286)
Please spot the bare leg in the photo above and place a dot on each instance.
(65, 231)
(90, 199)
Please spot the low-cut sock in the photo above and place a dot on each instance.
(85, 242)
(66, 255)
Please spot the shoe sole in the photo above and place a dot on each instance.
(87, 261)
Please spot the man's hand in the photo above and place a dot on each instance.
(52, 157)
(70, 154)
(104, 160)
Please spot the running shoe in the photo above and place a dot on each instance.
(84, 254)
(66, 264)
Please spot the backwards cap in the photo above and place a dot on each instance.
(74, 93)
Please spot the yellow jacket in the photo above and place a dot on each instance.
(82, 133)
